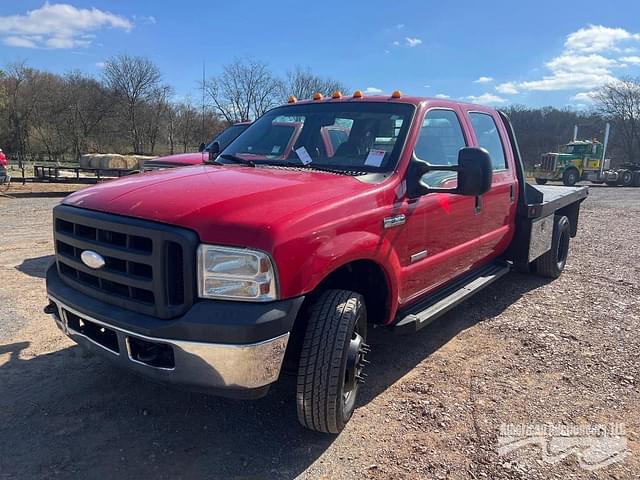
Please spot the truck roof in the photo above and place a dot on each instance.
(414, 100)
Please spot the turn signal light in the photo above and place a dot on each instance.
(336, 94)
(396, 94)
(317, 96)
(357, 94)
(292, 99)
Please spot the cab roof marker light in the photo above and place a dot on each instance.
(358, 94)
(396, 94)
(317, 96)
(336, 94)
(292, 99)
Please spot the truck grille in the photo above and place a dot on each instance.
(549, 162)
(149, 267)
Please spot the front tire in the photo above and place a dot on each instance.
(552, 263)
(570, 177)
(332, 360)
(541, 181)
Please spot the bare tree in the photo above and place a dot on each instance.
(619, 102)
(244, 91)
(136, 80)
(302, 83)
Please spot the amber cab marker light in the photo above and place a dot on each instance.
(396, 94)
(357, 94)
(336, 94)
(292, 99)
(317, 96)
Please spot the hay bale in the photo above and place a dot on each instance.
(85, 160)
(141, 159)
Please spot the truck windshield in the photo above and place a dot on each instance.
(227, 136)
(354, 137)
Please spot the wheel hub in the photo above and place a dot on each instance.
(354, 376)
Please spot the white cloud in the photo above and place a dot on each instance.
(58, 25)
(442, 95)
(413, 42)
(484, 80)
(145, 19)
(507, 88)
(586, 63)
(427, 86)
(400, 26)
(13, 41)
(597, 38)
(100, 64)
(373, 90)
(587, 97)
(396, 43)
(486, 99)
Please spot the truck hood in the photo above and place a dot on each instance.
(225, 204)
(193, 158)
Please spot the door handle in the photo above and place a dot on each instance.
(478, 204)
(512, 193)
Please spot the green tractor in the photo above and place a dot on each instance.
(585, 160)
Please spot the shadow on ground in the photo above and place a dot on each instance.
(64, 414)
(35, 267)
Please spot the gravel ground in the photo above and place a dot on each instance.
(522, 351)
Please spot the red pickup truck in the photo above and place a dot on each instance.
(218, 277)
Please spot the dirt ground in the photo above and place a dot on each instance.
(524, 351)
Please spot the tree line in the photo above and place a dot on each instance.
(129, 108)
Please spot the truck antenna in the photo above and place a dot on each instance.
(203, 106)
(575, 133)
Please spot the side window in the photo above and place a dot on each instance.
(489, 138)
(440, 140)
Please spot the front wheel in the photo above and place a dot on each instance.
(552, 263)
(332, 361)
(541, 181)
(570, 177)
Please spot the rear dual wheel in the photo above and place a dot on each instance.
(626, 178)
(552, 263)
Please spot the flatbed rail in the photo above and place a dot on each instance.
(51, 173)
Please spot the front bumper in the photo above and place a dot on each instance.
(198, 351)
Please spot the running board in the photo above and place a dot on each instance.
(419, 315)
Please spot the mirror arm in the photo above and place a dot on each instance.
(423, 167)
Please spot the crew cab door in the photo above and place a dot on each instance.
(442, 229)
(498, 205)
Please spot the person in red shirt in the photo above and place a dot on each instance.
(3, 167)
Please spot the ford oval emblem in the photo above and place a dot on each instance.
(92, 259)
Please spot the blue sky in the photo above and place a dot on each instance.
(493, 52)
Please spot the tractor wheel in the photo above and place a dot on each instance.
(332, 360)
(552, 263)
(570, 177)
(541, 181)
(626, 179)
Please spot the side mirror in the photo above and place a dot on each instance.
(202, 147)
(214, 150)
(474, 173)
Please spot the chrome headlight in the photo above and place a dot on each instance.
(235, 274)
